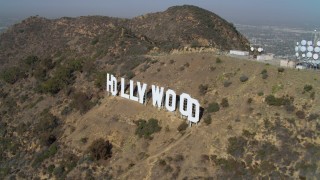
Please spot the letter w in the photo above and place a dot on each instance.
(157, 94)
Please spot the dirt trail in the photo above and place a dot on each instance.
(151, 160)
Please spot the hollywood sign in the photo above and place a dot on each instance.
(137, 91)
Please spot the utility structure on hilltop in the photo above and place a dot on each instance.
(307, 52)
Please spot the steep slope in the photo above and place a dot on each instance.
(189, 25)
(57, 121)
(97, 36)
(91, 36)
(269, 126)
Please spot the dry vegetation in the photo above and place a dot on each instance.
(56, 121)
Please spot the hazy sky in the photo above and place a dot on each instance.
(306, 12)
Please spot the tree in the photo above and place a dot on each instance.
(100, 149)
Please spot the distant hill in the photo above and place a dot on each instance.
(189, 25)
(97, 36)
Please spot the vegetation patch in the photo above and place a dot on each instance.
(147, 128)
(274, 101)
(213, 107)
(244, 78)
(51, 151)
(203, 89)
(81, 102)
(12, 74)
(100, 149)
(182, 127)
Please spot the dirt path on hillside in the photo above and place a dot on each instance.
(151, 160)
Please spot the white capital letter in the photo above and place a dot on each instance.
(141, 91)
(194, 110)
(123, 86)
(170, 95)
(111, 84)
(157, 94)
(132, 97)
(184, 100)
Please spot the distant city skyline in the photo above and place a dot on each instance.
(267, 12)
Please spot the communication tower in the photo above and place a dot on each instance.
(307, 52)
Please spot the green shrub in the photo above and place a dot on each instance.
(244, 78)
(213, 107)
(211, 68)
(12, 74)
(59, 171)
(100, 149)
(40, 74)
(313, 116)
(300, 114)
(218, 60)
(264, 71)
(208, 120)
(248, 134)
(88, 67)
(51, 151)
(280, 69)
(227, 83)
(289, 107)
(100, 79)
(47, 122)
(225, 102)
(81, 102)
(94, 41)
(147, 128)
(273, 101)
(313, 95)
(129, 74)
(260, 93)
(236, 146)
(63, 76)
(195, 44)
(203, 89)
(51, 168)
(52, 86)
(144, 68)
(84, 140)
(31, 60)
(307, 88)
(182, 127)
(265, 76)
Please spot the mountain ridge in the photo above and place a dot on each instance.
(191, 26)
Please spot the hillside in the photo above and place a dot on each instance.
(58, 122)
(189, 25)
(97, 36)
